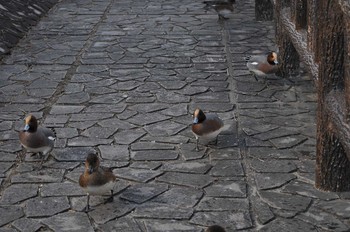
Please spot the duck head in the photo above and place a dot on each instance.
(272, 58)
(92, 163)
(31, 123)
(198, 116)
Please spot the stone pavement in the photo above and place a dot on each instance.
(122, 78)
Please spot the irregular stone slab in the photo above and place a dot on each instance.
(112, 98)
(270, 153)
(27, 224)
(43, 176)
(162, 211)
(170, 226)
(74, 98)
(109, 211)
(66, 133)
(140, 193)
(114, 152)
(309, 190)
(272, 180)
(99, 132)
(121, 224)
(171, 85)
(72, 154)
(10, 146)
(225, 154)
(66, 109)
(81, 125)
(99, 108)
(179, 197)
(339, 207)
(189, 152)
(61, 189)
(176, 110)
(148, 108)
(148, 118)
(176, 139)
(73, 221)
(19, 192)
(146, 165)
(285, 201)
(322, 219)
(227, 189)
(275, 133)
(126, 114)
(192, 90)
(288, 142)
(10, 213)
(128, 136)
(87, 142)
(227, 168)
(226, 141)
(223, 204)
(281, 166)
(151, 146)
(288, 225)
(230, 220)
(188, 167)
(154, 155)
(186, 179)
(165, 128)
(5, 166)
(116, 123)
(262, 210)
(46, 206)
(172, 97)
(140, 175)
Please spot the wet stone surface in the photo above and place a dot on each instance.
(122, 81)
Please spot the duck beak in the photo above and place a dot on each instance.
(26, 127)
(276, 62)
(195, 120)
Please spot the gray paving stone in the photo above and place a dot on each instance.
(230, 220)
(337, 207)
(27, 224)
(61, 165)
(170, 225)
(43, 176)
(128, 136)
(121, 224)
(10, 213)
(74, 98)
(266, 181)
(73, 221)
(114, 152)
(288, 225)
(270, 153)
(227, 189)
(116, 123)
(107, 108)
(61, 189)
(324, 220)
(46, 206)
(162, 211)
(66, 109)
(72, 154)
(179, 197)
(19, 192)
(186, 179)
(109, 211)
(263, 212)
(188, 151)
(139, 146)
(149, 118)
(5, 166)
(308, 190)
(140, 193)
(288, 142)
(66, 132)
(281, 166)
(224, 154)
(165, 128)
(227, 168)
(223, 204)
(154, 155)
(99, 132)
(140, 175)
(187, 167)
(285, 201)
(87, 142)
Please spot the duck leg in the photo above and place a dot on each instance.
(87, 207)
(197, 140)
(109, 199)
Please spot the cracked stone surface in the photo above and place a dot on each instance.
(122, 80)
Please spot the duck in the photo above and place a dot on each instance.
(223, 8)
(96, 180)
(206, 126)
(36, 139)
(262, 65)
(215, 228)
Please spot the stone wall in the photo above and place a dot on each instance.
(16, 18)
